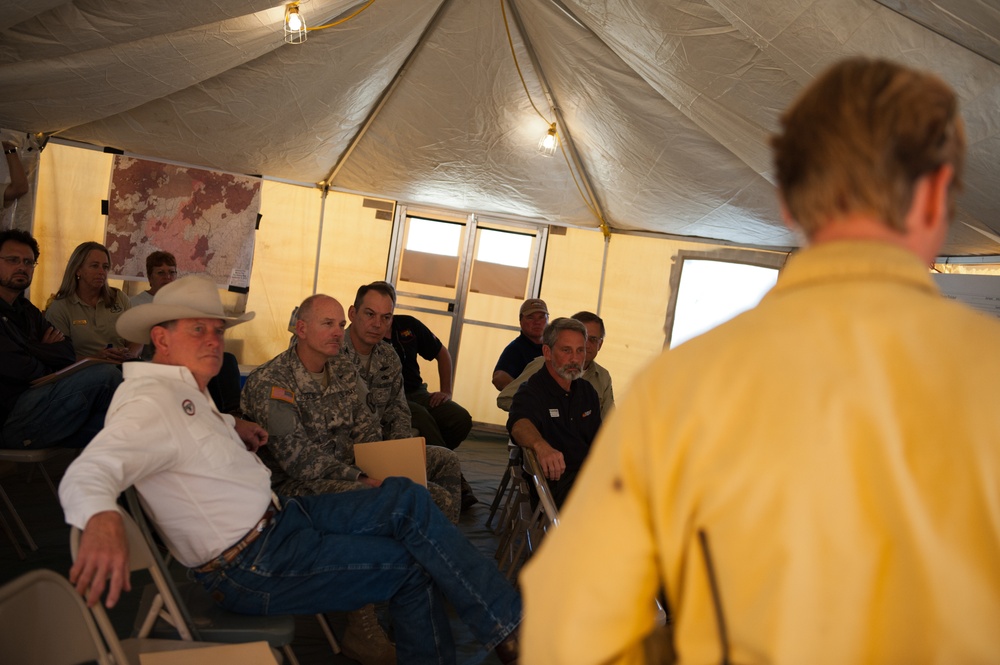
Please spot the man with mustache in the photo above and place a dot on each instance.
(556, 413)
(67, 412)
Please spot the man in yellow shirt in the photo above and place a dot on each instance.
(818, 480)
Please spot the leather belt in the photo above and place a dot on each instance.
(228, 555)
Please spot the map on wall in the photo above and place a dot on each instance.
(206, 219)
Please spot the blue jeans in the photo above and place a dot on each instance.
(66, 413)
(343, 551)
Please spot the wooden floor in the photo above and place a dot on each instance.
(483, 456)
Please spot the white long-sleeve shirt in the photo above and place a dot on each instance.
(201, 486)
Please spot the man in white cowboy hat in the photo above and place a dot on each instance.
(210, 496)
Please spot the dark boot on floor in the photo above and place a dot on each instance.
(365, 641)
(468, 498)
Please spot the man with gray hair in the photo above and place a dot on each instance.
(556, 413)
(598, 377)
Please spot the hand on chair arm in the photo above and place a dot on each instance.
(102, 561)
(551, 460)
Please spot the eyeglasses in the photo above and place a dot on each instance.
(594, 340)
(14, 260)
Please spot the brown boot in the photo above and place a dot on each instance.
(508, 650)
(365, 641)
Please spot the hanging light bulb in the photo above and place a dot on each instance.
(295, 25)
(548, 143)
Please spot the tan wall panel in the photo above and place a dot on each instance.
(480, 348)
(572, 277)
(72, 182)
(283, 269)
(355, 247)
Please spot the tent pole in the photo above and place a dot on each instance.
(386, 94)
(604, 271)
(563, 127)
(319, 238)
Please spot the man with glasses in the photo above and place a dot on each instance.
(66, 412)
(598, 377)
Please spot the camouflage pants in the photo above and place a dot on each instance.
(444, 481)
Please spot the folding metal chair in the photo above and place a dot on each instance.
(506, 492)
(206, 619)
(164, 605)
(44, 620)
(36, 457)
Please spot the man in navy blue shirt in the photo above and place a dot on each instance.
(556, 413)
(526, 347)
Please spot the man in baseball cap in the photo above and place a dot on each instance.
(527, 346)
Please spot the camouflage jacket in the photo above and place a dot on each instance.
(311, 429)
(383, 389)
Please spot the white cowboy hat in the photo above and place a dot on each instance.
(191, 297)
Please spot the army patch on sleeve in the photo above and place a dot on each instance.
(282, 395)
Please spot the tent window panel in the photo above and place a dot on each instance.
(430, 255)
(721, 283)
(71, 185)
(284, 266)
(712, 292)
(501, 266)
(426, 268)
(634, 304)
(498, 280)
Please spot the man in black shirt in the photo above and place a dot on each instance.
(556, 413)
(440, 420)
(67, 412)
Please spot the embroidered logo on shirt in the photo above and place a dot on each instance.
(587, 413)
(80, 322)
(279, 393)
(406, 335)
(188, 407)
(554, 413)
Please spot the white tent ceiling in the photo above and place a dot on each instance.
(668, 103)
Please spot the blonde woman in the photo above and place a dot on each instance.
(85, 308)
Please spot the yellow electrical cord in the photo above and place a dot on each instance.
(591, 205)
(343, 20)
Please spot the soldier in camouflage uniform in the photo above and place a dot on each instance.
(314, 420)
(376, 360)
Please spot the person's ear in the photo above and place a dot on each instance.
(937, 187)
(158, 338)
(351, 312)
(927, 220)
(786, 216)
(300, 328)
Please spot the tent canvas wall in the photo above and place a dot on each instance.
(664, 107)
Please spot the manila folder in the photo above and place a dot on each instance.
(248, 653)
(399, 457)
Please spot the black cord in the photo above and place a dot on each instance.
(720, 618)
